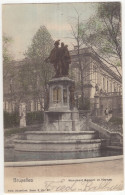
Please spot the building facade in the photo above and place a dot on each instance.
(97, 78)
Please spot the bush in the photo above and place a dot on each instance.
(34, 117)
(85, 105)
(116, 120)
(11, 119)
(14, 131)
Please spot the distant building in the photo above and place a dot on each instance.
(97, 77)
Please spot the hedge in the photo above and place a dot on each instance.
(85, 105)
(14, 131)
(34, 117)
(116, 120)
(11, 119)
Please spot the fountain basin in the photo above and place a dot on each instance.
(56, 146)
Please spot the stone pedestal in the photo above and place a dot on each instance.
(60, 94)
(61, 114)
(62, 121)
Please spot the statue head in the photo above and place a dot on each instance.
(62, 44)
(66, 46)
(57, 43)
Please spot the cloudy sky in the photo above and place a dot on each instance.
(21, 22)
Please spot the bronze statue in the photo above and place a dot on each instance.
(67, 60)
(54, 57)
(60, 58)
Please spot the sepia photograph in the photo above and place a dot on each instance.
(62, 97)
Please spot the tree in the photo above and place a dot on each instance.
(7, 57)
(110, 15)
(9, 73)
(35, 72)
(102, 34)
(77, 33)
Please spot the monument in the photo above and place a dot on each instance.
(61, 114)
(62, 130)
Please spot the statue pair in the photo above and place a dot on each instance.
(60, 58)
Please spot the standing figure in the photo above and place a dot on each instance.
(60, 58)
(54, 57)
(67, 60)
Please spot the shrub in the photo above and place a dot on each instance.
(116, 120)
(14, 131)
(85, 105)
(34, 117)
(11, 119)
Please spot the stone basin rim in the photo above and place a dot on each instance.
(73, 141)
(60, 111)
(61, 132)
(62, 162)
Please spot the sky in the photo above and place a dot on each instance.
(21, 22)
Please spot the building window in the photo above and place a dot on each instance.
(96, 77)
(114, 87)
(91, 71)
(7, 106)
(9, 109)
(39, 106)
(103, 83)
(3, 105)
(117, 88)
(13, 106)
(32, 105)
(107, 86)
(36, 106)
(110, 86)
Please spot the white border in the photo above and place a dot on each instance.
(1, 82)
